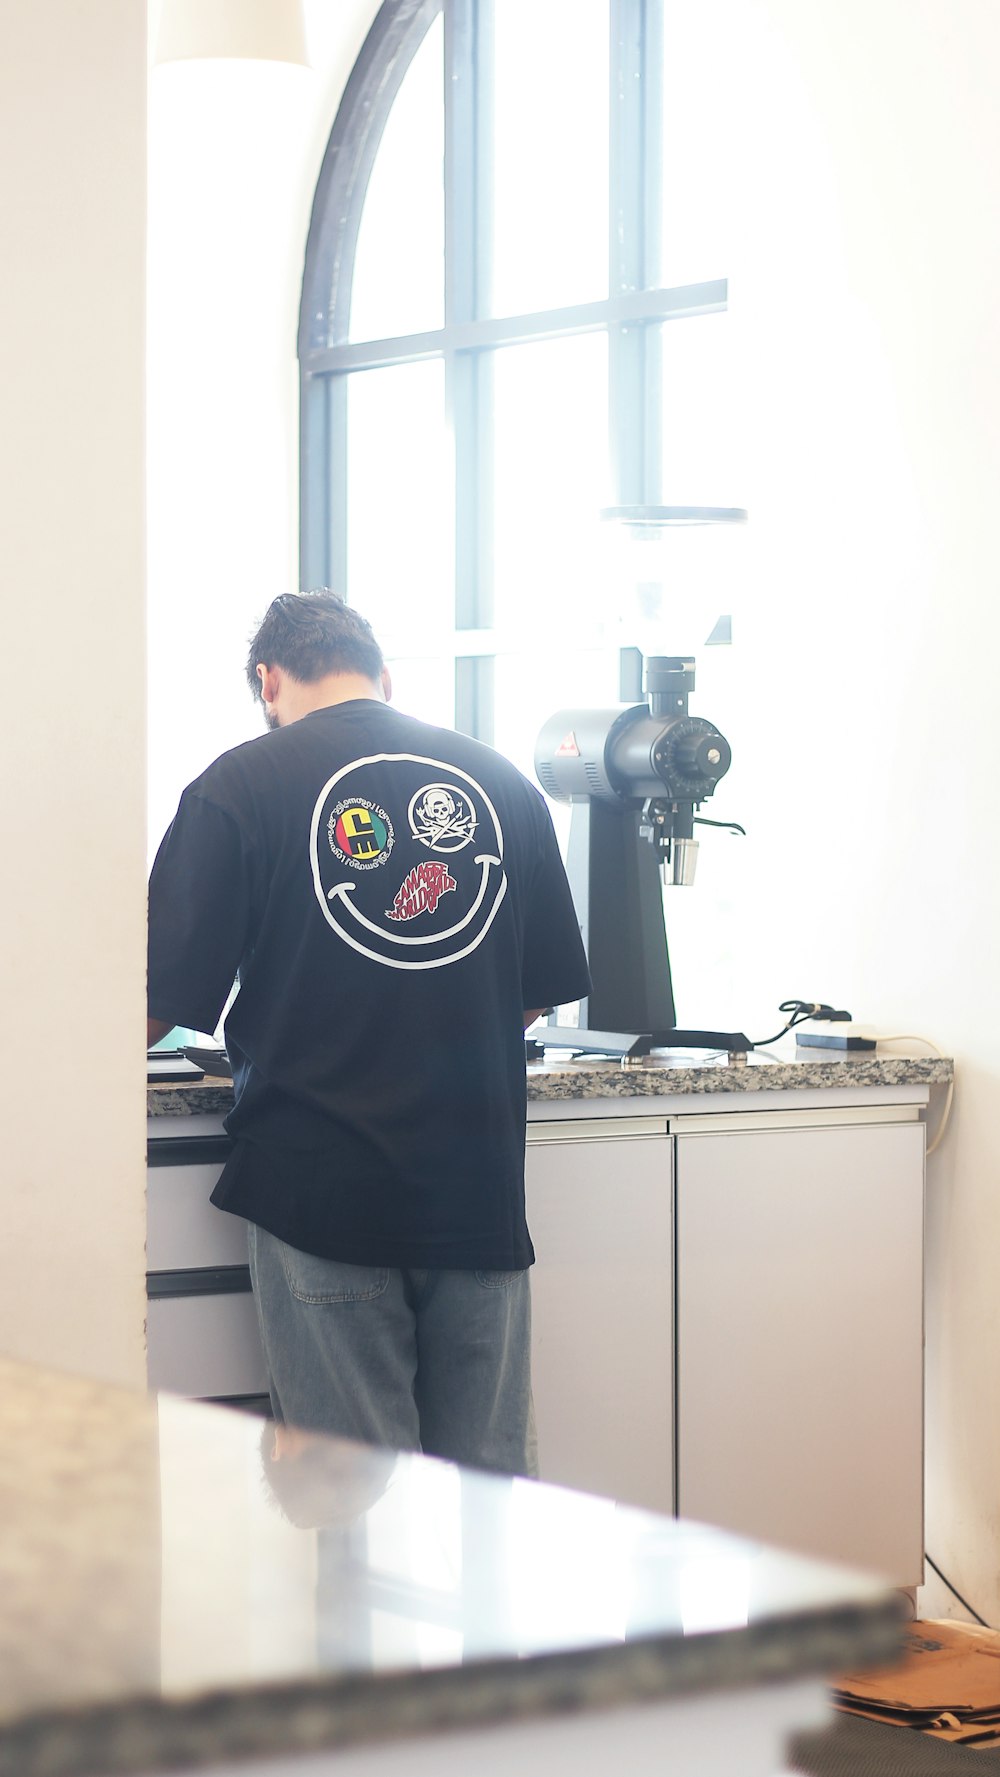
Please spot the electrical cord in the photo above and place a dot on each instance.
(964, 1602)
(910, 1036)
(799, 1011)
(702, 820)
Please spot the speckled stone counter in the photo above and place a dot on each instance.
(680, 1074)
(172, 1599)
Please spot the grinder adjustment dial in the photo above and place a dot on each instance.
(690, 757)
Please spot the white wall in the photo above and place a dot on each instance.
(861, 173)
(865, 721)
(72, 210)
(235, 152)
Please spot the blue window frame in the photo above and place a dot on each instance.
(453, 468)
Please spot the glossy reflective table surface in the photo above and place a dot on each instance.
(178, 1586)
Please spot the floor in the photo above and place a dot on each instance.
(856, 1748)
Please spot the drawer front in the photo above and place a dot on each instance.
(205, 1346)
(183, 1229)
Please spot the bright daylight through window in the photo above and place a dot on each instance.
(513, 317)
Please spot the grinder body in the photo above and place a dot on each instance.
(633, 777)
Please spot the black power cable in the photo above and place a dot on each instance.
(702, 820)
(964, 1602)
(799, 1011)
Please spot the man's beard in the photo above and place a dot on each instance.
(271, 718)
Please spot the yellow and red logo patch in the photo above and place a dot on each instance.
(360, 833)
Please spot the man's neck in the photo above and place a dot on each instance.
(300, 699)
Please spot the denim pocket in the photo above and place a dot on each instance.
(498, 1280)
(312, 1279)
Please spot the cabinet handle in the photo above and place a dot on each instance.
(598, 1129)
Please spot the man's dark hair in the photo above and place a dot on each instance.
(311, 634)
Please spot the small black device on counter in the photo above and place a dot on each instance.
(834, 1039)
(211, 1061)
(164, 1066)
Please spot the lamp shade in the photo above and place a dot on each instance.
(258, 30)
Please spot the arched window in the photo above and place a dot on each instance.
(502, 296)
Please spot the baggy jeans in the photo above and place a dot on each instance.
(431, 1360)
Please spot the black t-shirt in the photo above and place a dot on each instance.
(393, 899)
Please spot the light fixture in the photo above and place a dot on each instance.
(254, 30)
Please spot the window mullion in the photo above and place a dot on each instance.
(336, 456)
(494, 333)
(469, 374)
(474, 695)
(635, 152)
(323, 483)
(315, 517)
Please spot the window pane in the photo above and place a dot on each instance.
(398, 282)
(550, 238)
(672, 585)
(705, 94)
(532, 685)
(704, 459)
(692, 575)
(424, 687)
(399, 525)
(550, 482)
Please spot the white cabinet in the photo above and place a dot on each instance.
(782, 1386)
(183, 1227)
(201, 1323)
(727, 1312)
(800, 1337)
(206, 1345)
(599, 1209)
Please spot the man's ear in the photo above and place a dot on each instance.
(386, 684)
(270, 682)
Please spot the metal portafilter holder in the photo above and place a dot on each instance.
(634, 778)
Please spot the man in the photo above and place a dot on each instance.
(392, 898)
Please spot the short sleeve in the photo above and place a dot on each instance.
(200, 896)
(554, 963)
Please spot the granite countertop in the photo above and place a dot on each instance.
(165, 1604)
(680, 1072)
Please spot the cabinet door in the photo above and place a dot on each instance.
(800, 1339)
(599, 1210)
(183, 1227)
(206, 1347)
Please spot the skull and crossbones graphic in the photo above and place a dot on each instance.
(442, 818)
